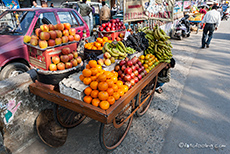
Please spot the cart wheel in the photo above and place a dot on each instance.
(111, 135)
(67, 118)
(145, 93)
(198, 26)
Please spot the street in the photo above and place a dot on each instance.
(190, 116)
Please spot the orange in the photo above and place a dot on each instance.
(99, 48)
(99, 68)
(86, 45)
(94, 48)
(111, 100)
(87, 72)
(81, 77)
(93, 63)
(115, 74)
(93, 78)
(88, 91)
(96, 102)
(110, 83)
(87, 99)
(104, 105)
(103, 43)
(115, 87)
(94, 71)
(102, 86)
(110, 91)
(116, 95)
(90, 47)
(121, 92)
(94, 85)
(87, 81)
(94, 93)
(125, 88)
(102, 77)
(114, 79)
(105, 39)
(97, 44)
(103, 95)
(110, 41)
(147, 70)
(108, 74)
(146, 65)
(87, 66)
(99, 40)
(119, 84)
(97, 75)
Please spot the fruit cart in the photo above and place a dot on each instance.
(196, 23)
(116, 121)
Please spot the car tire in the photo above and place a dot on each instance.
(13, 69)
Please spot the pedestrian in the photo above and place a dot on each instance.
(104, 13)
(164, 76)
(51, 4)
(35, 4)
(114, 9)
(85, 10)
(212, 21)
(202, 10)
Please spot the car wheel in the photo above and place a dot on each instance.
(13, 69)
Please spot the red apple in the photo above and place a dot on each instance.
(65, 51)
(142, 74)
(134, 60)
(117, 20)
(129, 63)
(53, 67)
(109, 25)
(128, 71)
(128, 84)
(132, 75)
(127, 77)
(139, 70)
(117, 68)
(67, 26)
(34, 41)
(59, 33)
(64, 58)
(44, 28)
(51, 43)
(72, 31)
(55, 59)
(77, 37)
(137, 66)
(139, 63)
(107, 29)
(133, 68)
(64, 39)
(122, 75)
(38, 31)
(139, 77)
(61, 66)
(113, 29)
(103, 25)
(58, 41)
(60, 26)
(101, 28)
(119, 72)
(79, 60)
(123, 67)
(44, 36)
(122, 62)
(132, 81)
(136, 73)
(65, 32)
(43, 44)
(70, 38)
(70, 56)
(136, 79)
(75, 54)
(68, 65)
(74, 62)
(51, 27)
(53, 35)
(34, 36)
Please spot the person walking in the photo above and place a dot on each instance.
(202, 10)
(85, 10)
(212, 20)
(35, 4)
(104, 13)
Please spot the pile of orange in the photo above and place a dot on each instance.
(105, 89)
(97, 45)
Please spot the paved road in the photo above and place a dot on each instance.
(202, 122)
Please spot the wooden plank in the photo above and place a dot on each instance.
(73, 104)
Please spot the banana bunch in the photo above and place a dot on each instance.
(159, 45)
(115, 49)
(130, 50)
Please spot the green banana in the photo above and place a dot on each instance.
(122, 45)
(114, 53)
(163, 32)
(119, 48)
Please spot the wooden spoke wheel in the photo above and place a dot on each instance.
(111, 135)
(146, 96)
(66, 117)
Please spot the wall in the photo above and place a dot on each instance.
(18, 110)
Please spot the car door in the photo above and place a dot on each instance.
(75, 21)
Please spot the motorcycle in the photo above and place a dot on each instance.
(225, 16)
(182, 29)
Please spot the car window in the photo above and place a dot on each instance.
(78, 18)
(67, 17)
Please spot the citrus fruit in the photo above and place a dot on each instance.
(86, 72)
(116, 95)
(111, 100)
(94, 85)
(87, 99)
(103, 86)
(103, 95)
(94, 93)
(96, 102)
(87, 81)
(92, 63)
(104, 105)
(88, 91)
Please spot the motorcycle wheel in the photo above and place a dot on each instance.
(180, 37)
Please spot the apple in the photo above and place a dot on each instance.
(107, 62)
(100, 62)
(101, 28)
(142, 68)
(51, 27)
(136, 79)
(123, 67)
(113, 28)
(139, 77)
(65, 51)
(122, 75)
(122, 62)
(51, 43)
(117, 68)
(137, 66)
(129, 63)
(26, 38)
(133, 68)
(59, 33)
(128, 71)
(132, 75)
(139, 70)
(43, 44)
(127, 77)
(106, 55)
(112, 59)
(109, 25)
(68, 65)
(103, 25)
(44, 36)
(119, 72)
(34, 36)
(134, 60)
(117, 20)
(53, 35)
(75, 54)
(139, 63)
(55, 59)
(71, 38)
(74, 62)
(38, 31)
(126, 59)
(60, 26)
(136, 73)
(58, 41)
(64, 39)
(67, 26)
(128, 84)
(34, 41)
(65, 32)
(142, 74)
(70, 55)
(145, 72)
(107, 29)
(132, 81)
(123, 27)
(44, 28)
(77, 37)
(64, 58)
(52, 67)
(61, 66)
(72, 31)
(79, 60)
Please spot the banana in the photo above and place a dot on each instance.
(119, 48)
(163, 32)
(114, 53)
(103, 50)
(155, 48)
(122, 45)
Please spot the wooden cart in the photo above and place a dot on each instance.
(116, 121)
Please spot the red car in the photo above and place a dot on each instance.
(14, 24)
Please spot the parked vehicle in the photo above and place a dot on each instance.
(14, 24)
(182, 29)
